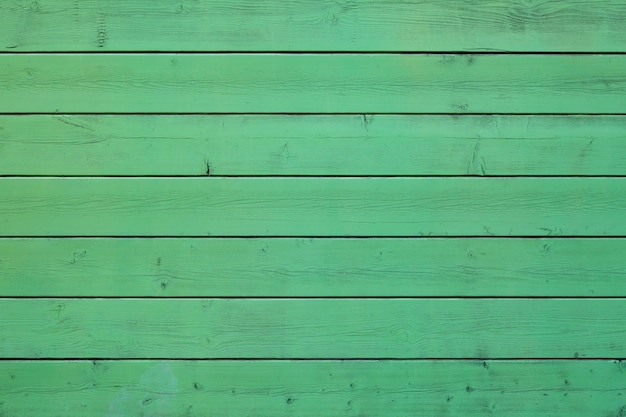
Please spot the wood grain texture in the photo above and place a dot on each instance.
(312, 267)
(309, 83)
(231, 286)
(312, 206)
(312, 25)
(312, 328)
(312, 145)
(312, 388)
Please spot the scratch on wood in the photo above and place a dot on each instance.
(102, 35)
(583, 153)
(78, 255)
(59, 308)
(366, 121)
(76, 10)
(66, 121)
(476, 165)
(285, 151)
(556, 231)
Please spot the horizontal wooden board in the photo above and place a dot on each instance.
(312, 206)
(312, 388)
(310, 83)
(312, 145)
(351, 25)
(312, 267)
(312, 328)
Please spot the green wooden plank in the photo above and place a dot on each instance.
(312, 267)
(312, 206)
(310, 83)
(312, 145)
(312, 388)
(353, 25)
(313, 328)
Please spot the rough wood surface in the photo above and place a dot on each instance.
(312, 328)
(312, 145)
(312, 25)
(312, 206)
(312, 267)
(310, 83)
(312, 388)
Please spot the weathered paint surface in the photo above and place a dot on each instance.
(312, 145)
(313, 267)
(313, 25)
(312, 208)
(312, 83)
(208, 328)
(166, 388)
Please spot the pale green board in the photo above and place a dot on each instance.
(313, 328)
(312, 83)
(312, 206)
(312, 145)
(312, 388)
(313, 25)
(262, 267)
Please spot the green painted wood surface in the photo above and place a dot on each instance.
(312, 267)
(312, 388)
(312, 25)
(309, 83)
(456, 304)
(312, 145)
(312, 206)
(313, 328)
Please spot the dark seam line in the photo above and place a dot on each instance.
(308, 114)
(309, 176)
(404, 297)
(390, 297)
(12, 51)
(408, 237)
(312, 114)
(300, 359)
